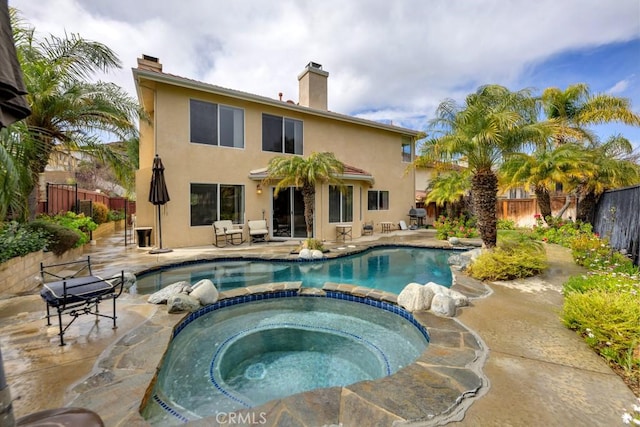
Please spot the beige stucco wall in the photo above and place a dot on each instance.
(377, 151)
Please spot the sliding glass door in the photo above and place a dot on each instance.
(288, 214)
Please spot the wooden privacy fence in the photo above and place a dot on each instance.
(60, 198)
(523, 211)
(617, 219)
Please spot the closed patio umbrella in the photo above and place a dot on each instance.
(158, 195)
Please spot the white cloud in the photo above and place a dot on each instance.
(619, 87)
(388, 60)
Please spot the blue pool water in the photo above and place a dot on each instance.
(385, 268)
(243, 355)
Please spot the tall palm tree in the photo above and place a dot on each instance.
(67, 110)
(576, 108)
(542, 169)
(295, 171)
(573, 110)
(615, 165)
(493, 123)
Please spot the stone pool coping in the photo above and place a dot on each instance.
(436, 388)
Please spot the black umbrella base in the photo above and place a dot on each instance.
(160, 251)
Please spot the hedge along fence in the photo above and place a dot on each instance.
(20, 275)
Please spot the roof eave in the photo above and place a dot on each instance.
(140, 74)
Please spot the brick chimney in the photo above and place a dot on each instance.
(149, 63)
(312, 87)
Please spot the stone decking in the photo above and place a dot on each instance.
(436, 387)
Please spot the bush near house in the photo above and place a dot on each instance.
(455, 227)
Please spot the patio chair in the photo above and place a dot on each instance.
(226, 231)
(77, 292)
(258, 230)
(367, 228)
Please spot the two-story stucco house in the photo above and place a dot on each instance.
(215, 144)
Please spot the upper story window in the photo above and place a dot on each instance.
(406, 150)
(281, 134)
(215, 124)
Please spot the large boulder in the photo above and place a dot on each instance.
(462, 260)
(415, 297)
(304, 254)
(129, 280)
(443, 305)
(178, 303)
(317, 254)
(459, 299)
(161, 296)
(205, 292)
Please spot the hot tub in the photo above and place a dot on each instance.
(240, 353)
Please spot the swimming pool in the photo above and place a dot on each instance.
(225, 358)
(385, 268)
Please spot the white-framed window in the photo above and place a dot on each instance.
(211, 202)
(340, 204)
(215, 124)
(281, 134)
(378, 200)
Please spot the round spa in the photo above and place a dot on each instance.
(240, 353)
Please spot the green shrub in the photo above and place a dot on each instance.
(116, 215)
(454, 227)
(100, 213)
(511, 259)
(313, 244)
(77, 222)
(59, 238)
(18, 240)
(559, 231)
(506, 224)
(611, 282)
(596, 254)
(609, 322)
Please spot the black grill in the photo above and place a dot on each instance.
(417, 215)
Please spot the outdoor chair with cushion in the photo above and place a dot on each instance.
(226, 231)
(367, 228)
(258, 230)
(77, 292)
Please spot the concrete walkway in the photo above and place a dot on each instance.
(538, 372)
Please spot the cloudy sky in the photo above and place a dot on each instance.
(388, 60)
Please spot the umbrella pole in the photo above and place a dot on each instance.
(159, 227)
(160, 250)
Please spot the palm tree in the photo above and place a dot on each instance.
(493, 123)
(615, 165)
(546, 166)
(67, 110)
(573, 110)
(295, 171)
(576, 108)
(449, 189)
(15, 178)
